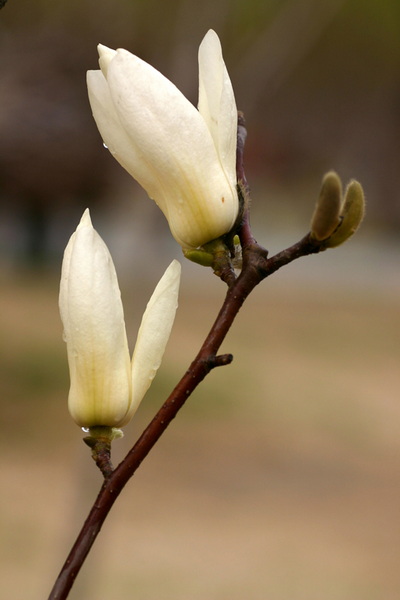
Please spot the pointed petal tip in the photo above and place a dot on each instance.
(85, 221)
(106, 55)
(211, 34)
(210, 39)
(170, 281)
(175, 268)
(102, 49)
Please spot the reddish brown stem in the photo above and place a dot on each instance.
(256, 267)
(205, 361)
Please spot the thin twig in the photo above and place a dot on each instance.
(256, 267)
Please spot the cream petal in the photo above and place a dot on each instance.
(114, 135)
(217, 102)
(94, 330)
(182, 159)
(105, 57)
(154, 333)
(160, 138)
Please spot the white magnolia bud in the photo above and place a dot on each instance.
(94, 330)
(183, 157)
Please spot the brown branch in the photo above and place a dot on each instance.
(256, 267)
(101, 454)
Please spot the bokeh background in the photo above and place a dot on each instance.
(280, 478)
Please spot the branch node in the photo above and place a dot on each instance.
(219, 361)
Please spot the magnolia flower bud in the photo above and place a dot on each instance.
(351, 215)
(94, 330)
(327, 211)
(184, 158)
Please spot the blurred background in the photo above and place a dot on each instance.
(280, 478)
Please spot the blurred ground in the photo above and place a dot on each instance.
(280, 478)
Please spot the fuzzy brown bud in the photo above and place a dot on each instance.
(326, 217)
(351, 215)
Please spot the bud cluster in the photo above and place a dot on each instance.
(185, 158)
(336, 218)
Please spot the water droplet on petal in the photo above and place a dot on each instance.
(105, 145)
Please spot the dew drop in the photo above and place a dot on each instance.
(105, 145)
